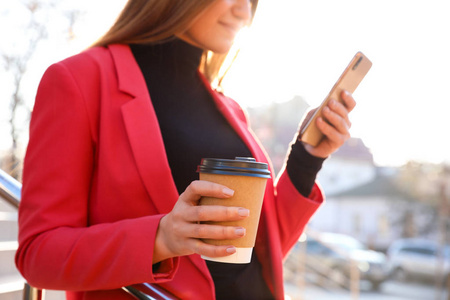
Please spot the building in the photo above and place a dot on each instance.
(350, 166)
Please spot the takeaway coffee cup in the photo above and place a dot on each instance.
(248, 180)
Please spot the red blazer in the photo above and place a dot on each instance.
(97, 181)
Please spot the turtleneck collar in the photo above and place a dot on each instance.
(174, 57)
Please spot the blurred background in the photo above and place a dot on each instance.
(384, 231)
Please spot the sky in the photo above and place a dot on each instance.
(300, 47)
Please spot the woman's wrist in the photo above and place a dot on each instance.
(160, 250)
(302, 168)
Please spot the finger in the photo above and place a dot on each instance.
(332, 133)
(201, 188)
(209, 231)
(335, 120)
(216, 213)
(208, 250)
(341, 110)
(348, 100)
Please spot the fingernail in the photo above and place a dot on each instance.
(228, 192)
(240, 231)
(243, 212)
(231, 250)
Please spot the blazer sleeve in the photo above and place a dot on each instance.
(294, 210)
(291, 211)
(58, 248)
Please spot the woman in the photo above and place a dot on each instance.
(109, 187)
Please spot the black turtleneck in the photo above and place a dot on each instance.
(193, 128)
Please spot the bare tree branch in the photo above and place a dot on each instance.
(15, 63)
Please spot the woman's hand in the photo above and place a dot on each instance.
(335, 125)
(180, 232)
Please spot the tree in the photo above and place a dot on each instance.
(15, 60)
(423, 183)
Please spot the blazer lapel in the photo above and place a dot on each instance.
(146, 140)
(143, 131)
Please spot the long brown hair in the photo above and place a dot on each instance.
(151, 21)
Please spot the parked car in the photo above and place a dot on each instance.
(338, 252)
(418, 259)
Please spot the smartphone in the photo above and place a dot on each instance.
(349, 81)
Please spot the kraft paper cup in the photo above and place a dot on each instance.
(248, 180)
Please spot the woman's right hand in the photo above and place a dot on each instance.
(180, 231)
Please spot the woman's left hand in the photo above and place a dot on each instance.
(335, 126)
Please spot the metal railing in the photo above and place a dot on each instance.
(10, 190)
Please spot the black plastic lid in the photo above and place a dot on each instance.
(245, 166)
